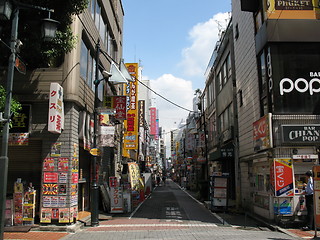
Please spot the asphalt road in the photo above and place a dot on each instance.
(170, 213)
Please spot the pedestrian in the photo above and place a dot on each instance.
(308, 192)
(158, 180)
(164, 180)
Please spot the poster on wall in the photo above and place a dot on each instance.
(46, 215)
(63, 164)
(283, 177)
(56, 150)
(64, 215)
(50, 189)
(63, 176)
(48, 164)
(55, 213)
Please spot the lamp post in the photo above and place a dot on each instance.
(94, 181)
(6, 6)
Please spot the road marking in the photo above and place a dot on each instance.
(160, 225)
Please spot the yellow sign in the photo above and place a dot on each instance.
(135, 177)
(131, 123)
(95, 152)
(288, 9)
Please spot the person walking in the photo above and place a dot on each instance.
(308, 192)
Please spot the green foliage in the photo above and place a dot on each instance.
(38, 53)
(15, 105)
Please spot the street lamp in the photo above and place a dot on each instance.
(6, 8)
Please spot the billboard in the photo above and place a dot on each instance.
(288, 9)
(153, 121)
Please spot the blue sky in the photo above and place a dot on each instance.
(156, 32)
(173, 41)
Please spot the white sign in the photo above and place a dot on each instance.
(305, 156)
(116, 197)
(56, 111)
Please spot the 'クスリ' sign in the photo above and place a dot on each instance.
(301, 133)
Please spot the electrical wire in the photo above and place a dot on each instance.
(164, 97)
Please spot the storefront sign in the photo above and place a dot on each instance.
(21, 121)
(287, 9)
(262, 134)
(56, 110)
(116, 200)
(301, 133)
(141, 105)
(131, 123)
(136, 181)
(283, 177)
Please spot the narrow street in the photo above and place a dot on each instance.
(171, 213)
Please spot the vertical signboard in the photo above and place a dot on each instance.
(283, 177)
(262, 137)
(131, 123)
(56, 114)
(153, 121)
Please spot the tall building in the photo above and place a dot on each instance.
(58, 162)
(276, 55)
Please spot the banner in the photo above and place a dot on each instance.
(135, 177)
(131, 123)
(283, 177)
(56, 111)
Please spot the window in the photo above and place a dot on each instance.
(226, 119)
(86, 64)
(229, 67)
(219, 80)
(224, 73)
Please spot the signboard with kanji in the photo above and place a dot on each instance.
(56, 111)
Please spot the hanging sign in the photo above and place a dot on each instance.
(56, 111)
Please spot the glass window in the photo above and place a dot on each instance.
(224, 73)
(229, 67)
(219, 80)
(84, 61)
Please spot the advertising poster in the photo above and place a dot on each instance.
(56, 150)
(48, 164)
(62, 189)
(262, 138)
(74, 189)
(64, 215)
(55, 213)
(116, 198)
(28, 212)
(18, 218)
(75, 165)
(46, 201)
(62, 201)
(135, 178)
(283, 177)
(75, 150)
(63, 164)
(18, 139)
(50, 189)
(75, 177)
(63, 176)
(54, 201)
(50, 177)
(74, 200)
(46, 215)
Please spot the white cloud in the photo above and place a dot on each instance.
(178, 91)
(204, 36)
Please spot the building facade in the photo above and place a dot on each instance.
(58, 164)
(278, 102)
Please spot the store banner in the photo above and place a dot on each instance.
(135, 177)
(283, 177)
(153, 121)
(262, 133)
(288, 9)
(116, 196)
(131, 123)
(56, 109)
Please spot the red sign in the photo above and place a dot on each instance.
(119, 104)
(50, 177)
(113, 182)
(153, 121)
(283, 177)
(261, 133)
